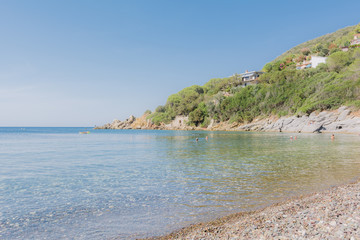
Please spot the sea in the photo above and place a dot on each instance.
(125, 184)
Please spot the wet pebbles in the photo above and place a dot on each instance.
(332, 214)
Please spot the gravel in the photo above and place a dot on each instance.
(331, 214)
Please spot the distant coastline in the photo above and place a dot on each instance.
(342, 120)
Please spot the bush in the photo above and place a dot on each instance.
(300, 58)
(160, 117)
(338, 60)
(305, 51)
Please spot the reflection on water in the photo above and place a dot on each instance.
(55, 183)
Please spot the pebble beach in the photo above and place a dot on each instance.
(330, 214)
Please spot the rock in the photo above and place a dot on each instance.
(131, 119)
(180, 122)
(311, 127)
(342, 108)
(343, 115)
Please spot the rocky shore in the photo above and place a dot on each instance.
(342, 120)
(332, 214)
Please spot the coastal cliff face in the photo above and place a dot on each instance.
(341, 120)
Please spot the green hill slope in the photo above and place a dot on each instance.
(282, 90)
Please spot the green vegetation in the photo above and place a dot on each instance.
(340, 38)
(282, 90)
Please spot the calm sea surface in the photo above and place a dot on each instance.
(58, 184)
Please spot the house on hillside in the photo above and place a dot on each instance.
(356, 40)
(353, 43)
(312, 63)
(250, 78)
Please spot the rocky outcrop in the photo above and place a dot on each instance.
(179, 123)
(117, 124)
(340, 120)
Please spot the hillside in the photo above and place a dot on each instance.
(340, 38)
(281, 90)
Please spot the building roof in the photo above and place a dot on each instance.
(247, 74)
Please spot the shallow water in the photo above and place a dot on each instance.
(58, 184)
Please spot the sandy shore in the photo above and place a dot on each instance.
(331, 214)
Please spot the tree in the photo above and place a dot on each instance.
(198, 116)
(357, 30)
(147, 112)
(324, 52)
(346, 43)
(174, 101)
(338, 60)
(356, 54)
(267, 67)
(160, 109)
(318, 48)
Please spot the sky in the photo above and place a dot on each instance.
(86, 63)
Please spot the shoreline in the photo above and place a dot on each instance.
(330, 213)
(342, 120)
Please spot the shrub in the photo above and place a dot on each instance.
(160, 117)
(300, 58)
(332, 46)
(305, 51)
(338, 60)
(267, 67)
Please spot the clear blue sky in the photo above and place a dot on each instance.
(85, 63)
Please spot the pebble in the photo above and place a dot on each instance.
(332, 214)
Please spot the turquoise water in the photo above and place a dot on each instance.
(58, 184)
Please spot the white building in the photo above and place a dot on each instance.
(312, 63)
(316, 60)
(356, 40)
(250, 78)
